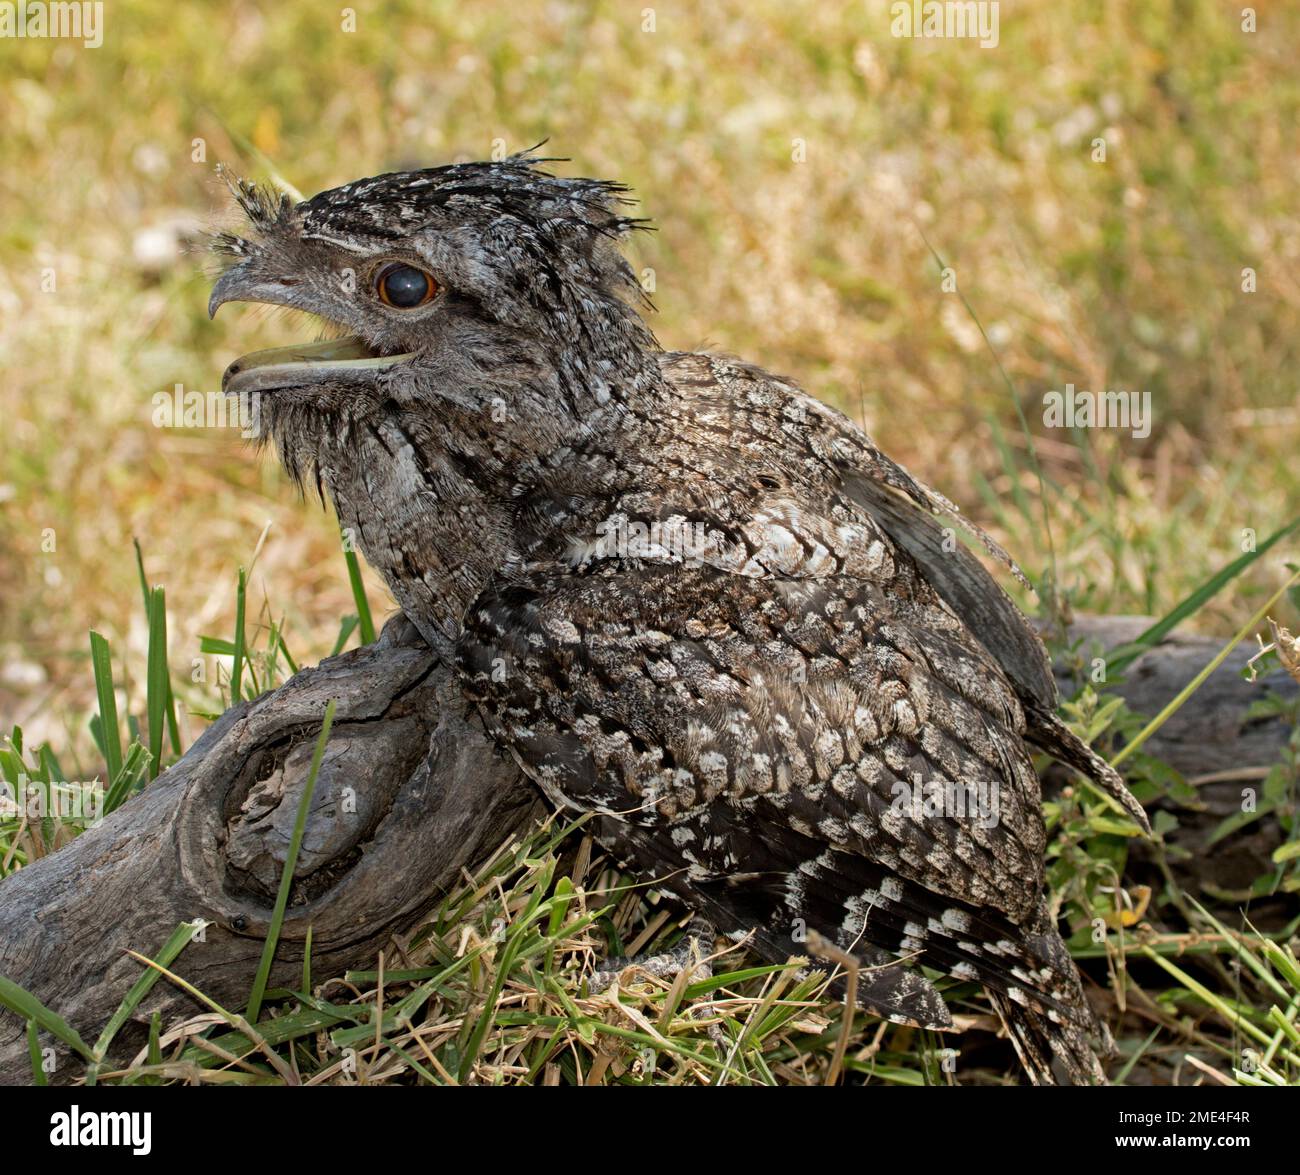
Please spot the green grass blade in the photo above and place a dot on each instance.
(286, 874)
(153, 1054)
(293, 1026)
(110, 732)
(155, 1034)
(156, 679)
(346, 627)
(134, 769)
(490, 1011)
(50, 765)
(237, 669)
(306, 962)
(22, 1003)
(271, 659)
(34, 1051)
(359, 596)
(41, 771)
(139, 567)
(173, 729)
(97, 733)
(180, 937)
(1283, 962)
(12, 766)
(284, 650)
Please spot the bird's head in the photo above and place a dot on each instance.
(440, 273)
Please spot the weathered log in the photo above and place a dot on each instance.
(1212, 733)
(1217, 747)
(410, 791)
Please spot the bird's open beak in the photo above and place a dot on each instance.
(333, 360)
(304, 365)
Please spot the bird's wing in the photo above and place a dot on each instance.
(859, 492)
(922, 521)
(828, 750)
(914, 516)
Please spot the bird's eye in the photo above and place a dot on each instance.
(404, 287)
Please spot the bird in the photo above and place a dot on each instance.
(688, 598)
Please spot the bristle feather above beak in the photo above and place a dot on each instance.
(264, 207)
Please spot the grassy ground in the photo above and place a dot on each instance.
(804, 167)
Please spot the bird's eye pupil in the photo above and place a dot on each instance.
(404, 286)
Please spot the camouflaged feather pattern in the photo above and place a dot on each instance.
(686, 596)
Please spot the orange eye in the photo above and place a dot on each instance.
(403, 287)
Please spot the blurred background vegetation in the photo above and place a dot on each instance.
(796, 159)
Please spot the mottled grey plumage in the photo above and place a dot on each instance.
(685, 595)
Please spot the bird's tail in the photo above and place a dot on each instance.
(1040, 1040)
(1055, 1031)
(1058, 740)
